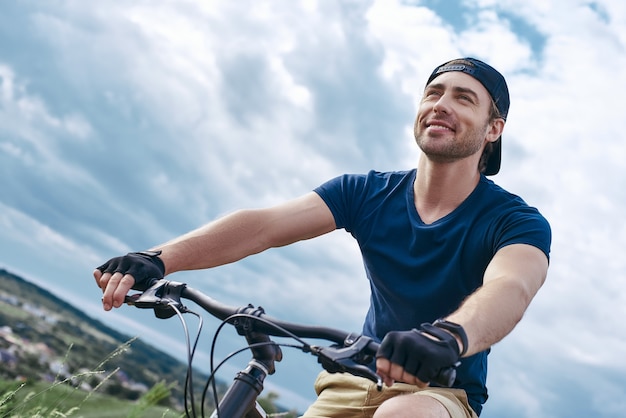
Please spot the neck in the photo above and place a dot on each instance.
(441, 188)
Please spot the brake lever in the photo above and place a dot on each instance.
(342, 359)
(163, 296)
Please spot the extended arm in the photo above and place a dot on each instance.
(229, 239)
(511, 280)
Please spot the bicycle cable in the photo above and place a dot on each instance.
(305, 347)
(188, 387)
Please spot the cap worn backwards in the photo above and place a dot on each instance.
(496, 86)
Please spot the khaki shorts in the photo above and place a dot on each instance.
(346, 396)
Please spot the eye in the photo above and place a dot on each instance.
(465, 98)
(432, 94)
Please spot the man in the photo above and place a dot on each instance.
(453, 260)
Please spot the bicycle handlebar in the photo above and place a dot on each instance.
(352, 352)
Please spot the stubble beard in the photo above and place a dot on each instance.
(451, 148)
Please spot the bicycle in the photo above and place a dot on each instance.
(349, 353)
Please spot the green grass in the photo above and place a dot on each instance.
(13, 311)
(45, 400)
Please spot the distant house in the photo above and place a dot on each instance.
(7, 357)
(11, 300)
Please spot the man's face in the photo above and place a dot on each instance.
(453, 117)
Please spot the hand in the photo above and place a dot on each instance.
(134, 270)
(417, 356)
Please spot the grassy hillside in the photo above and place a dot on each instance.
(41, 399)
(43, 338)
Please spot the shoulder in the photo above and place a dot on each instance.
(498, 197)
(382, 176)
(352, 198)
(383, 179)
(514, 220)
(370, 180)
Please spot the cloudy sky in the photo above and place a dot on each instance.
(125, 124)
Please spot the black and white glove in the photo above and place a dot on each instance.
(431, 352)
(145, 266)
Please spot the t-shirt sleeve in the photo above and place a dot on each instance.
(341, 196)
(526, 226)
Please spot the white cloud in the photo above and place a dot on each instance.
(33, 134)
(414, 39)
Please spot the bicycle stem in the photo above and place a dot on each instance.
(263, 349)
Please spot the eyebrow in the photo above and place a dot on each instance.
(456, 89)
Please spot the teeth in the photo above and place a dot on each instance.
(439, 126)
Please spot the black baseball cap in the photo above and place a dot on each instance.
(495, 84)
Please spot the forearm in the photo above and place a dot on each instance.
(511, 281)
(247, 232)
(487, 317)
(222, 241)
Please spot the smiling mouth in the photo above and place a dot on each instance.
(438, 127)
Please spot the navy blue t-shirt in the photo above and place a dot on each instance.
(421, 272)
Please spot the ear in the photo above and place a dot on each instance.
(494, 130)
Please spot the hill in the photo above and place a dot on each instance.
(45, 338)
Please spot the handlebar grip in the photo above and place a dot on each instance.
(446, 376)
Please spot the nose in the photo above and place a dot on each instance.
(442, 105)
